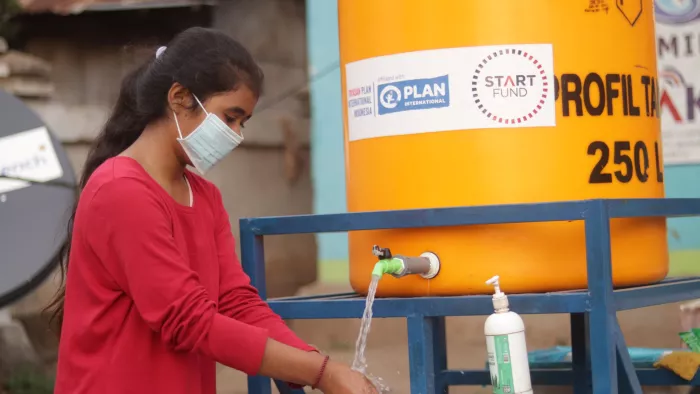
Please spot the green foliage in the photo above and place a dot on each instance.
(8, 10)
(27, 381)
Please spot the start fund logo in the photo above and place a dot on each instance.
(517, 85)
(414, 94)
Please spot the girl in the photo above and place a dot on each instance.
(155, 294)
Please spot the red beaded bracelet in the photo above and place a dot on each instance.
(320, 372)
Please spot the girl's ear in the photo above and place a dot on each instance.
(179, 98)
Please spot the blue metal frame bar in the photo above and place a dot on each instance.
(662, 293)
(463, 216)
(348, 308)
(562, 377)
(421, 354)
(630, 380)
(600, 286)
(350, 305)
(595, 331)
(414, 218)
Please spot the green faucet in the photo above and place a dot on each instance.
(427, 265)
(391, 266)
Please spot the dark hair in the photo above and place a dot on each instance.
(204, 61)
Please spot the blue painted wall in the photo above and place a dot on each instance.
(683, 181)
(684, 233)
(328, 165)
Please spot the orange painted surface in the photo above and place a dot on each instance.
(504, 166)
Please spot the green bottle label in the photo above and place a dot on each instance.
(500, 366)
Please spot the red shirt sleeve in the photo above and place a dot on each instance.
(237, 298)
(129, 228)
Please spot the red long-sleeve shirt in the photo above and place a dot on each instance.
(155, 293)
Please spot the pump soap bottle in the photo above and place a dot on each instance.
(507, 350)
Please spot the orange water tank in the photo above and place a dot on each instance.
(462, 103)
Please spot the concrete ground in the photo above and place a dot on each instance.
(387, 352)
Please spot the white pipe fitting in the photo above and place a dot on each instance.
(434, 265)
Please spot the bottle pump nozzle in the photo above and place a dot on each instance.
(500, 300)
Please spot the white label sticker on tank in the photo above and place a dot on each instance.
(28, 155)
(451, 89)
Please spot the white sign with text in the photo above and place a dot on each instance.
(28, 155)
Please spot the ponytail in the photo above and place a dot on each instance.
(122, 129)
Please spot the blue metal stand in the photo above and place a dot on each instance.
(601, 362)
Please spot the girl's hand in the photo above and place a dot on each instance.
(340, 379)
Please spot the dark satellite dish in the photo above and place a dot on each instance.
(37, 192)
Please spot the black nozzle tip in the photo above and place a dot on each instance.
(381, 253)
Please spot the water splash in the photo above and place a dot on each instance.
(359, 363)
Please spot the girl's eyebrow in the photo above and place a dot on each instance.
(238, 111)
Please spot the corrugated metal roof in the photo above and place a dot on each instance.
(77, 6)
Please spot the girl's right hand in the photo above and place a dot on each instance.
(340, 379)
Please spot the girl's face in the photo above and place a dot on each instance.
(234, 108)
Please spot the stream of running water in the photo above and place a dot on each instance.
(360, 362)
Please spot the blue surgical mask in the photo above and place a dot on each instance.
(210, 142)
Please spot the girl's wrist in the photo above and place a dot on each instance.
(326, 380)
(321, 372)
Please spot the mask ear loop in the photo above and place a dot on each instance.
(177, 124)
(200, 104)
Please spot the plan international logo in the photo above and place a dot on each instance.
(414, 94)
